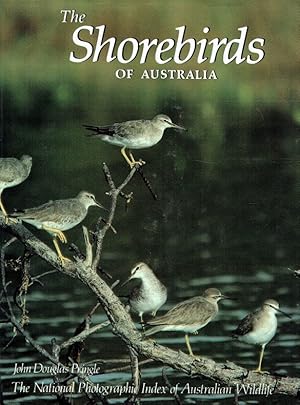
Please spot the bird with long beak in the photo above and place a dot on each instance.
(58, 216)
(150, 295)
(137, 134)
(189, 316)
(259, 327)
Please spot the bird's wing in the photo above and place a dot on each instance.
(194, 311)
(55, 211)
(39, 212)
(135, 293)
(128, 129)
(9, 169)
(246, 325)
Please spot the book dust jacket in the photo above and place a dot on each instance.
(149, 202)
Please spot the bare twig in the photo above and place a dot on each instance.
(80, 256)
(114, 193)
(124, 368)
(136, 377)
(236, 397)
(46, 273)
(45, 353)
(169, 385)
(84, 334)
(147, 182)
(20, 295)
(89, 250)
(3, 275)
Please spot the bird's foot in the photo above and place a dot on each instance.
(10, 220)
(198, 356)
(64, 260)
(7, 218)
(136, 163)
(258, 370)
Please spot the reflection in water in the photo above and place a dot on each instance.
(226, 218)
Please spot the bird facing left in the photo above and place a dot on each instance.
(150, 295)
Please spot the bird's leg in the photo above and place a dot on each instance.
(123, 151)
(4, 211)
(6, 216)
(142, 322)
(187, 341)
(63, 259)
(56, 232)
(259, 370)
(131, 162)
(134, 162)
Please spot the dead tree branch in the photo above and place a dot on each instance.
(136, 377)
(114, 193)
(120, 320)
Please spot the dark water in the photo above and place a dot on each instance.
(227, 217)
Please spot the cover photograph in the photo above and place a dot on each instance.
(149, 202)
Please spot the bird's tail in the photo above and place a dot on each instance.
(17, 213)
(96, 130)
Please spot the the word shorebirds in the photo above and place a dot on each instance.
(189, 316)
(138, 134)
(259, 327)
(58, 216)
(150, 295)
(13, 172)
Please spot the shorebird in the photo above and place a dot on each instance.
(13, 172)
(188, 316)
(259, 327)
(150, 295)
(58, 216)
(138, 134)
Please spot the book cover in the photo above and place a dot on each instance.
(149, 179)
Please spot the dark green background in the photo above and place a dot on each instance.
(228, 209)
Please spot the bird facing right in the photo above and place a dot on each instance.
(13, 172)
(259, 327)
(58, 216)
(189, 316)
(136, 134)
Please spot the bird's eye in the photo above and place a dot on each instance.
(134, 270)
